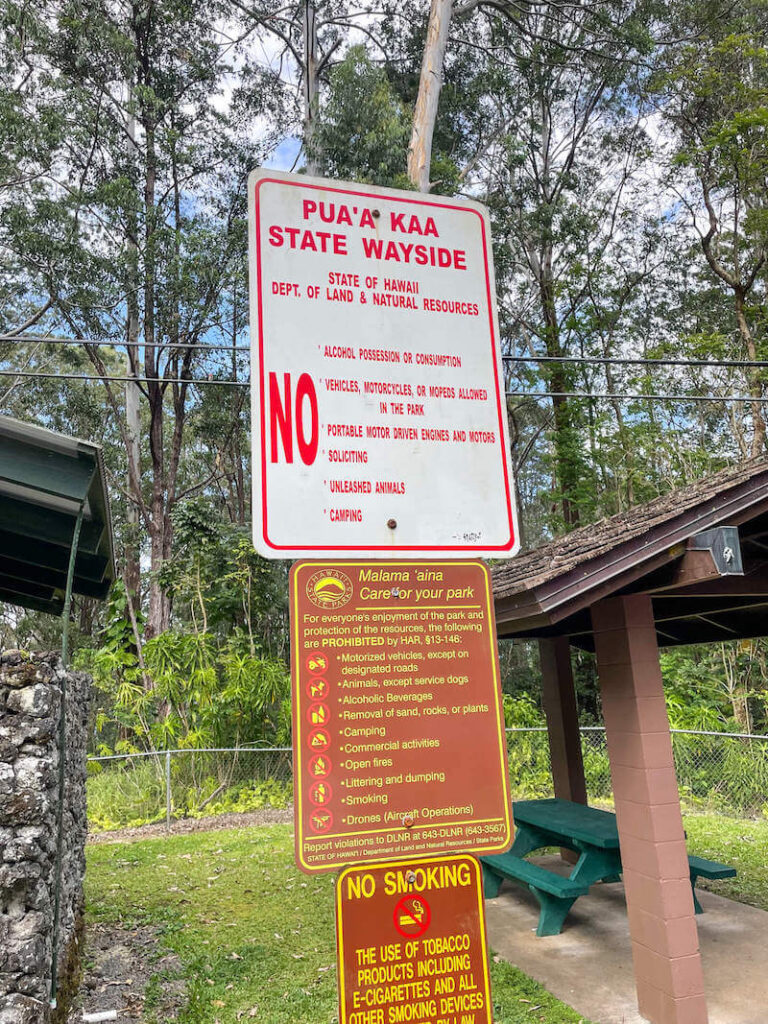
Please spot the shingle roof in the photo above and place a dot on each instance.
(560, 557)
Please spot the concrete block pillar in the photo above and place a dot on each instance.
(559, 698)
(665, 945)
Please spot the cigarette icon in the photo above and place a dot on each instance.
(415, 914)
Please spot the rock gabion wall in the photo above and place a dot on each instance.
(30, 706)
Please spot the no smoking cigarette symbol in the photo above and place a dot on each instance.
(412, 916)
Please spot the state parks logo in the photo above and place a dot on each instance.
(329, 589)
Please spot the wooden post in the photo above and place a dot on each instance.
(662, 926)
(559, 699)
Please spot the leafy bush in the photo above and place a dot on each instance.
(597, 771)
(125, 796)
(130, 793)
(722, 773)
(249, 797)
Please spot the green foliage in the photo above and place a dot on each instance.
(364, 129)
(119, 798)
(530, 774)
(189, 689)
(217, 678)
(693, 690)
(205, 692)
(132, 791)
(522, 712)
(722, 774)
(247, 796)
(597, 772)
(217, 581)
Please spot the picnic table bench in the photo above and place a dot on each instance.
(588, 831)
(556, 893)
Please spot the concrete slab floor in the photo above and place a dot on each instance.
(589, 965)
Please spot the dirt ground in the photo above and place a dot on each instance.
(118, 964)
(265, 816)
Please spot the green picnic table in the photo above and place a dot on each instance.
(588, 831)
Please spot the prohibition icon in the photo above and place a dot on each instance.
(321, 821)
(320, 767)
(317, 662)
(320, 793)
(319, 740)
(317, 688)
(412, 916)
(318, 714)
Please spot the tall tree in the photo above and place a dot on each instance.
(558, 159)
(714, 91)
(138, 232)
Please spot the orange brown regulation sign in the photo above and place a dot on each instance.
(399, 744)
(411, 943)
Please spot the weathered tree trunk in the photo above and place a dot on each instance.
(158, 618)
(737, 690)
(311, 87)
(566, 439)
(132, 414)
(755, 383)
(741, 289)
(425, 115)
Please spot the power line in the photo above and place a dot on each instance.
(97, 378)
(618, 396)
(636, 397)
(630, 361)
(41, 339)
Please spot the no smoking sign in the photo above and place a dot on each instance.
(411, 943)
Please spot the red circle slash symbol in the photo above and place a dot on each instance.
(412, 916)
(320, 793)
(320, 820)
(317, 663)
(320, 767)
(317, 688)
(318, 714)
(319, 740)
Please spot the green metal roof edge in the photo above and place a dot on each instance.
(50, 440)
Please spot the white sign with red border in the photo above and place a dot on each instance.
(379, 414)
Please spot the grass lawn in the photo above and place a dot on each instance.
(743, 845)
(254, 936)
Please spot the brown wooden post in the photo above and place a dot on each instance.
(665, 944)
(559, 698)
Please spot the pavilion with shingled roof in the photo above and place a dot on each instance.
(688, 567)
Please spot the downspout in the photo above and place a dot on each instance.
(63, 753)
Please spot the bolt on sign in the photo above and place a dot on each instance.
(379, 414)
(398, 726)
(411, 943)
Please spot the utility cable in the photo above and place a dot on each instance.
(41, 339)
(624, 396)
(744, 364)
(637, 361)
(213, 381)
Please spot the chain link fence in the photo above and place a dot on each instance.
(128, 790)
(724, 773)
